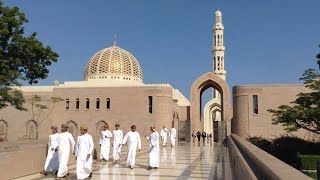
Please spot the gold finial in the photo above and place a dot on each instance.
(115, 39)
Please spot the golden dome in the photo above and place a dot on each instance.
(113, 63)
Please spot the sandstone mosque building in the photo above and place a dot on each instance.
(113, 92)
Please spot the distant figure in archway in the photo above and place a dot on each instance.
(173, 136)
(164, 135)
(199, 136)
(204, 135)
(193, 135)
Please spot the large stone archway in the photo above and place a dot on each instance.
(198, 87)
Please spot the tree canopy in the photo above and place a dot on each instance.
(305, 110)
(22, 57)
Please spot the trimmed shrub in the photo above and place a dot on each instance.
(262, 143)
(307, 162)
(286, 147)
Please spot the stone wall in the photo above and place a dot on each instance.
(263, 165)
(247, 123)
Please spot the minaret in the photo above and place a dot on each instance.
(218, 49)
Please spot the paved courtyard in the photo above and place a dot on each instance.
(185, 161)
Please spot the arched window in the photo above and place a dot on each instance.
(77, 103)
(67, 103)
(97, 103)
(108, 103)
(73, 129)
(87, 103)
(3, 130)
(32, 130)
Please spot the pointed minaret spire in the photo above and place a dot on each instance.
(218, 47)
(115, 39)
(218, 50)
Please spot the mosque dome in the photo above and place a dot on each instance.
(113, 64)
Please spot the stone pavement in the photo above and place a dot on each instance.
(185, 161)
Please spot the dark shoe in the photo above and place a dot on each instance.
(155, 168)
(44, 173)
(90, 176)
(131, 167)
(149, 168)
(65, 175)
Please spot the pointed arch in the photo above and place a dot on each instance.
(3, 130)
(67, 104)
(198, 87)
(77, 103)
(100, 124)
(31, 130)
(108, 103)
(73, 128)
(87, 103)
(97, 103)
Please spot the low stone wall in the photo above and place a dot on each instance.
(262, 164)
(24, 158)
(19, 159)
(240, 167)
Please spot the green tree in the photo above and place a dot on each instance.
(22, 57)
(305, 110)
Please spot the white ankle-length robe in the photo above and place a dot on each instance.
(65, 145)
(133, 141)
(173, 135)
(154, 150)
(163, 134)
(105, 144)
(117, 142)
(84, 147)
(52, 161)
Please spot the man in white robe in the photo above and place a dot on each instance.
(84, 150)
(154, 150)
(133, 141)
(173, 136)
(117, 142)
(65, 145)
(163, 135)
(105, 137)
(52, 161)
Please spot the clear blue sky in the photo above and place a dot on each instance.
(266, 41)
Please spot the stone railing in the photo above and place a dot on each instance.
(250, 162)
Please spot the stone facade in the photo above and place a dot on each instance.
(250, 121)
(127, 106)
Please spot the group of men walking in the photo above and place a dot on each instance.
(172, 134)
(202, 135)
(61, 144)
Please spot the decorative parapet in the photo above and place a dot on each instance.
(35, 88)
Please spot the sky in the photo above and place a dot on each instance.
(267, 42)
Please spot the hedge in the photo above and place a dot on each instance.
(307, 162)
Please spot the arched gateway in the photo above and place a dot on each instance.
(198, 87)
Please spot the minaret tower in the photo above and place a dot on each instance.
(218, 50)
